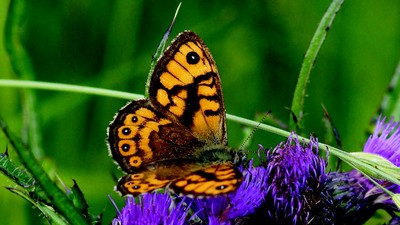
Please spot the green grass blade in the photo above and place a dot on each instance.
(23, 68)
(59, 199)
(308, 62)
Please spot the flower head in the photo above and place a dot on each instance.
(385, 141)
(355, 197)
(296, 183)
(152, 208)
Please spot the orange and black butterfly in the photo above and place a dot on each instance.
(177, 138)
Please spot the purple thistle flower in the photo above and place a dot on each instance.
(385, 141)
(237, 206)
(355, 197)
(296, 184)
(351, 203)
(153, 208)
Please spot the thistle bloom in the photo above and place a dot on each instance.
(153, 208)
(296, 183)
(354, 196)
(385, 141)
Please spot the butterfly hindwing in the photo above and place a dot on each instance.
(139, 183)
(184, 178)
(210, 181)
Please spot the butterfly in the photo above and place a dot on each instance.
(177, 138)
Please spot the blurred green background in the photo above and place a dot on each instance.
(258, 46)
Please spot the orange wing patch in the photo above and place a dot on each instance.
(213, 180)
(139, 183)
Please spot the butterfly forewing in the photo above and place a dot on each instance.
(186, 84)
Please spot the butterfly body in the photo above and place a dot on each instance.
(177, 137)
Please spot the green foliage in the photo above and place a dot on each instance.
(258, 47)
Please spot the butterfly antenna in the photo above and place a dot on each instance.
(114, 204)
(160, 49)
(245, 142)
(161, 46)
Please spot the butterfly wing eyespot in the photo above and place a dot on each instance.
(192, 58)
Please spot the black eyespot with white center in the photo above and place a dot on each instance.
(192, 58)
(125, 147)
(126, 131)
(222, 187)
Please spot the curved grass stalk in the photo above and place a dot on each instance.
(308, 63)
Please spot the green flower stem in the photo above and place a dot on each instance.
(23, 68)
(308, 63)
(67, 88)
(58, 198)
(251, 123)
